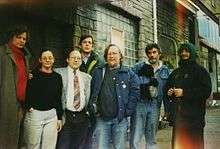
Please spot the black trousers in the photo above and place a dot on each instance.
(74, 130)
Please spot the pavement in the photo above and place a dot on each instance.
(211, 131)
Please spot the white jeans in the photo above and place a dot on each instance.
(40, 129)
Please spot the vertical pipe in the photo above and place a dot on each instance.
(155, 21)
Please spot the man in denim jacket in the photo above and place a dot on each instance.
(145, 120)
(114, 94)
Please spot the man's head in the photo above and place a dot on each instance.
(46, 59)
(153, 53)
(187, 52)
(113, 56)
(86, 44)
(74, 59)
(18, 36)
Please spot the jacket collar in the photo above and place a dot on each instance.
(122, 68)
(9, 51)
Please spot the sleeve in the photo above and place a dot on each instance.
(169, 84)
(0, 71)
(1, 67)
(88, 87)
(93, 98)
(165, 98)
(29, 92)
(134, 94)
(134, 69)
(59, 108)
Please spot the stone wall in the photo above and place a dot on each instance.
(132, 17)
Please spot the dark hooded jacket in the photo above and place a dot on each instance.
(196, 84)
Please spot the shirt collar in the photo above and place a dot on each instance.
(71, 70)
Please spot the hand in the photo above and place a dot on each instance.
(59, 125)
(31, 109)
(76, 104)
(170, 92)
(30, 76)
(178, 92)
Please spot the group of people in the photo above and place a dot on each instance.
(87, 103)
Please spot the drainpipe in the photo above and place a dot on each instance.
(155, 21)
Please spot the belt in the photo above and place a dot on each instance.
(75, 113)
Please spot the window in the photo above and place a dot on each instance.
(127, 43)
(117, 37)
(169, 51)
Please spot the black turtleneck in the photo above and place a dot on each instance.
(44, 92)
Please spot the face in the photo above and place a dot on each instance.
(74, 60)
(185, 55)
(47, 60)
(19, 41)
(86, 45)
(113, 57)
(153, 55)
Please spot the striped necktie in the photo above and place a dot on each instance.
(76, 100)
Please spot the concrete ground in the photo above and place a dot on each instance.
(211, 133)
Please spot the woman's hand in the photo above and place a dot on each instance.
(30, 76)
(59, 125)
(31, 109)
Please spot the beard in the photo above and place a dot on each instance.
(152, 61)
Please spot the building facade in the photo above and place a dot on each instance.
(176, 24)
(208, 17)
(131, 24)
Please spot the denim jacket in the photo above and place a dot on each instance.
(127, 90)
(161, 75)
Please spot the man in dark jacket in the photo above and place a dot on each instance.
(114, 94)
(188, 87)
(90, 60)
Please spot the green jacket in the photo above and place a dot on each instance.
(10, 117)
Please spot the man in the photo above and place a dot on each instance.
(90, 59)
(13, 77)
(75, 98)
(152, 75)
(188, 87)
(114, 93)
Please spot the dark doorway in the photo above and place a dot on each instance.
(45, 32)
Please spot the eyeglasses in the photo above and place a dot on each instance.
(75, 58)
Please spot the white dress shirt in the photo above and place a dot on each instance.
(70, 91)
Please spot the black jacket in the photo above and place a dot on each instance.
(196, 84)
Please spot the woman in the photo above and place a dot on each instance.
(43, 104)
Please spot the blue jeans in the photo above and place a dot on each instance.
(110, 131)
(144, 122)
